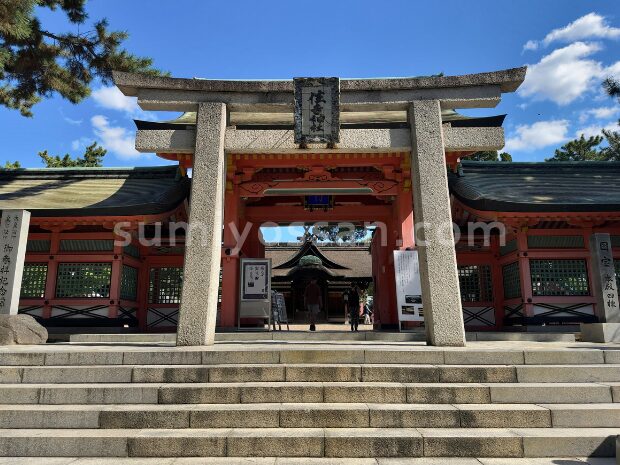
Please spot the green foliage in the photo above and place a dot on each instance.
(490, 155)
(35, 62)
(589, 149)
(93, 156)
(12, 165)
(612, 87)
(612, 151)
(581, 149)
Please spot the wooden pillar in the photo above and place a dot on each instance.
(143, 289)
(404, 203)
(524, 273)
(115, 280)
(498, 283)
(52, 274)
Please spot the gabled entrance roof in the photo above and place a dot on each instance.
(309, 248)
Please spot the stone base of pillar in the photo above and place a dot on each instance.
(600, 332)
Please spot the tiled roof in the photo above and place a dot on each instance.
(538, 187)
(93, 191)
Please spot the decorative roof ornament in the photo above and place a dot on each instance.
(310, 260)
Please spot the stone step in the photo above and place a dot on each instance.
(303, 353)
(327, 336)
(319, 415)
(310, 392)
(310, 442)
(305, 461)
(312, 373)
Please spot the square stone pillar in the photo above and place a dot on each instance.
(605, 291)
(441, 296)
(203, 248)
(13, 239)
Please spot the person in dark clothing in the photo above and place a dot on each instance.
(313, 297)
(354, 307)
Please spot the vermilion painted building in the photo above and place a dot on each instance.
(396, 151)
(76, 278)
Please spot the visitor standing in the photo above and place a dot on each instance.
(313, 300)
(354, 307)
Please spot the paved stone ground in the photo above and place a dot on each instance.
(305, 343)
(298, 461)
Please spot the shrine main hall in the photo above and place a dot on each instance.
(387, 154)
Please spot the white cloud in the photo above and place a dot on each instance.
(564, 75)
(81, 143)
(116, 139)
(599, 113)
(614, 70)
(74, 122)
(597, 129)
(538, 135)
(113, 99)
(590, 26)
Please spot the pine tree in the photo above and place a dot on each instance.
(93, 157)
(612, 151)
(12, 165)
(490, 155)
(612, 87)
(36, 63)
(581, 149)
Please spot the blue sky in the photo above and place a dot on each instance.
(570, 46)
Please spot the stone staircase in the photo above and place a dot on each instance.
(309, 400)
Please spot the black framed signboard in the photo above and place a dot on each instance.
(255, 290)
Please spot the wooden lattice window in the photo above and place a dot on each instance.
(165, 285)
(559, 278)
(84, 280)
(129, 283)
(38, 246)
(33, 281)
(87, 245)
(475, 283)
(512, 280)
(555, 242)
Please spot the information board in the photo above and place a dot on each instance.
(255, 290)
(408, 285)
(255, 279)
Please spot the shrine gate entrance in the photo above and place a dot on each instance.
(380, 147)
(366, 189)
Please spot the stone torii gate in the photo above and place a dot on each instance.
(418, 101)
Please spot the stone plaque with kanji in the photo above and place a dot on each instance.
(317, 110)
(13, 239)
(604, 277)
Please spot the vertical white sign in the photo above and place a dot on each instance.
(604, 277)
(408, 285)
(13, 240)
